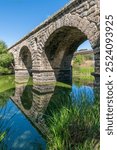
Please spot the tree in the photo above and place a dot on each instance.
(6, 59)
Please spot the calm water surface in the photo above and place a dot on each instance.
(22, 107)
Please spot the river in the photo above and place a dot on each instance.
(22, 107)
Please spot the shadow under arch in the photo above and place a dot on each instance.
(59, 50)
(12, 64)
(27, 97)
(25, 59)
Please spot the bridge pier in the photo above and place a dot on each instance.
(44, 77)
(96, 74)
(63, 75)
(21, 75)
(41, 77)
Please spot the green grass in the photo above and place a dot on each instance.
(73, 125)
(83, 72)
(6, 82)
(77, 71)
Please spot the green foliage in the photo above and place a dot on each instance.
(3, 47)
(83, 73)
(89, 56)
(5, 70)
(5, 59)
(83, 66)
(73, 125)
(79, 59)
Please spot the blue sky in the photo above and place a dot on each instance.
(19, 17)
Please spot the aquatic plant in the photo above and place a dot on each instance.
(73, 125)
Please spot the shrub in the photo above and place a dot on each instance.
(6, 59)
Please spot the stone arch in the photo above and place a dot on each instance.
(72, 30)
(59, 50)
(72, 19)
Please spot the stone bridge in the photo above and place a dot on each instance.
(83, 52)
(46, 52)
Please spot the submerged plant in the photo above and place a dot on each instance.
(2, 136)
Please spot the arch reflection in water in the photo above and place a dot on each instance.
(36, 102)
(27, 97)
(33, 100)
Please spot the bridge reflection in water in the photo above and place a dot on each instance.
(35, 100)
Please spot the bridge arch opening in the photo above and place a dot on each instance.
(83, 64)
(12, 64)
(25, 60)
(60, 48)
